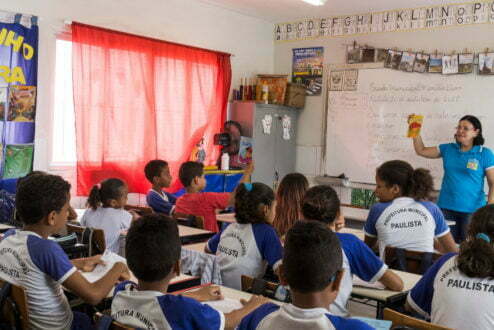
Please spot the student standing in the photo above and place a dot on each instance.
(404, 218)
(457, 291)
(466, 163)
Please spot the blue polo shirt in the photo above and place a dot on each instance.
(462, 189)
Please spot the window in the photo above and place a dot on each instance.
(63, 143)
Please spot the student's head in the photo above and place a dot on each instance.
(43, 199)
(312, 259)
(158, 173)
(321, 203)
(109, 193)
(254, 203)
(469, 130)
(289, 197)
(152, 248)
(397, 178)
(191, 174)
(476, 258)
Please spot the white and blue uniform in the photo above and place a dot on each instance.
(358, 259)
(111, 220)
(161, 202)
(245, 249)
(462, 189)
(155, 310)
(288, 316)
(406, 223)
(40, 266)
(452, 299)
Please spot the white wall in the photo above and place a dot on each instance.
(188, 22)
(310, 134)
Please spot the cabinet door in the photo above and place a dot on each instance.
(285, 145)
(264, 146)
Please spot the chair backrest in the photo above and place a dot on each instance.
(409, 261)
(399, 319)
(103, 323)
(141, 210)
(265, 288)
(95, 238)
(190, 220)
(16, 311)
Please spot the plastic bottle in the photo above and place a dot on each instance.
(225, 161)
(265, 93)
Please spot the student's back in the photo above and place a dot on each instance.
(457, 291)
(248, 246)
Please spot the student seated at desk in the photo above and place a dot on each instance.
(312, 267)
(106, 202)
(158, 174)
(457, 291)
(28, 259)
(248, 245)
(321, 203)
(204, 204)
(153, 255)
(404, 218)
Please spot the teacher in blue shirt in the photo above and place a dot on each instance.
(466, 163)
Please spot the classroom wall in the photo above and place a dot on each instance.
(188, 22)
(310, 132)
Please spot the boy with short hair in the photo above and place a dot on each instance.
(153, 255)
(30, 260)
(158, 174)
(204, 204)
(312, 267)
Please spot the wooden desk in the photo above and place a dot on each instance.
(226, 217)
(5, 227)
(357, 232)
(190, 235)
(387, 298)
(199, 247)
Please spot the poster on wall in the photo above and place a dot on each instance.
(307, 68)
(18, 85)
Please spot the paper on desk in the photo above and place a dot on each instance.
(357, 281)
(377, 324)
(99, 271)
(226, 305)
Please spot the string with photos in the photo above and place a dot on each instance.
(423, 62)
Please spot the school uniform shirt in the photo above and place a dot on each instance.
(452, 299)
(407, 224)
(288, 316)
(40, 266)
(358, 259)
(161, 201)
(462, 189)
(245, 249)
(203, 204)
(111, 220)
(155, 310)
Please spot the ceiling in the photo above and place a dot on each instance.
(278, 11)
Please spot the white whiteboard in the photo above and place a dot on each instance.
(368, 127)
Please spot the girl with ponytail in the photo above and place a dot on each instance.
(456, 292)
(247, 246)
(404, 218)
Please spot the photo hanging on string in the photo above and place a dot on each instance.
(381, 55)
(435, 63)
(353, 54)
(450, 64)
(395, 59)
(486, 61)
(465, 63)
(407, 60)
(421, 63)
(368, 55)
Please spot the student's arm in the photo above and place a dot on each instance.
(421, 150)
(392, 281)
(370, 224)
(207, 293)
(233, 318)
(93, 293)
(370, 241)
(445, 241)
(489, 173)
(87, 264)
(245, 178)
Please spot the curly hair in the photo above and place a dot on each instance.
(477, 255)
(321, 203)
(289, 198)
(40, 194)
(415, 183)
(248, 203)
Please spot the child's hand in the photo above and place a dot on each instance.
(207, 293)
(254, 301)
(125, 274)
(90, 263)
(249, 169)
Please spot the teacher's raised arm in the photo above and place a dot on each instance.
(466, 164)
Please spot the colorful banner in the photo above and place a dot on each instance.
(479, 12)
(307, 69)
(18, 87)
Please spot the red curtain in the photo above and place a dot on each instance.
(138, 99)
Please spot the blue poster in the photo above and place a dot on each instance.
(307, 68)
(18, 89)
